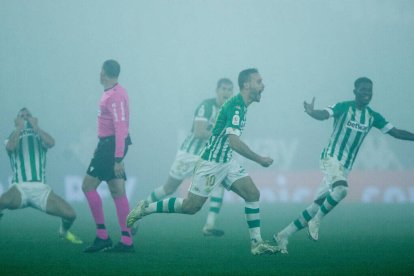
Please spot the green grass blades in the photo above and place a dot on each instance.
(374, 239)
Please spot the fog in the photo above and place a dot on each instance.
(173, 52)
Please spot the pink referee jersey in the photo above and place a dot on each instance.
(113, 117)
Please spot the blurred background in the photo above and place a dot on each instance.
(173, 52)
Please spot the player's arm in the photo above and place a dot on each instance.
(46, 138)
(315, 113)
(201, 129)
(241, 148)
(401, 134)
(119, 117)
(13, 140)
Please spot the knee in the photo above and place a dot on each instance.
(10, 202)
(169, 190)
(89, 184)
(72, 216)
(252, 195)
(171, 185)
(2, 202)
(191, 209)
(341, 191)
(319, 201)
(85, 187)
(69, 215)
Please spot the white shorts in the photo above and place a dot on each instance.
(333, 171)
(34, 194)
(183, 165)
(207, 175)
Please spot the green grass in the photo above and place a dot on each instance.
(354, 239)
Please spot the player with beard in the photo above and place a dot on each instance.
(217, 166)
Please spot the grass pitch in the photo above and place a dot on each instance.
(355, 239)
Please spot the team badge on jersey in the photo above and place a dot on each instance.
(236, 119)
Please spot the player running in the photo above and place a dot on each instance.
(217, 166)
(188, 154)
(352, 122)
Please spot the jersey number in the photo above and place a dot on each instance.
(210, 180)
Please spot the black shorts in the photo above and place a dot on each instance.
(103, 161)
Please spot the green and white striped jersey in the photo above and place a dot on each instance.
(351, 125)
(28, 160)
(206, 111)
(231, 120)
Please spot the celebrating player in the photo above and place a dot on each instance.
(352, 122)
(27, 146)
(107, 162)
(217, 166)
(188, 154)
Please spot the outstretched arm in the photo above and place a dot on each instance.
(241, 148)
(314, 113)
(401, 134)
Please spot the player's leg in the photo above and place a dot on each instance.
(163, 191)
(206, 176)
(336, 175)
(102, 240)
(189, 205)
(89, 187)
(182, 167)
(216, 201)
(11, 199)
(117, 189)
(338, 193)
(246, 189)
(282, 238)
(57, 206)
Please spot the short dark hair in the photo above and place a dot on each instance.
(111, 68)
(224, 81)
(23, 109)
(360, 80)
(244, 76)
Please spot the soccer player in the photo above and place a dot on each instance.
(27, 146)
(352, 122)
(188, 154)
(107, 162)
(217, 166)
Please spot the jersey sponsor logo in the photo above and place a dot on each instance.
(27, 132)
(357, 126)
